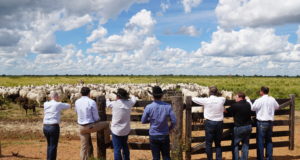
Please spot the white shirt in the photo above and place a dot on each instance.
(213, 107)
(121, 110)
(87, 111)
(265, 107)
(52, 110)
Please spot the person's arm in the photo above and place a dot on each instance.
(109, 103)
(133, 100)
(64, 105)
(95, 113)
(145, 117)
(200, 101)
(276, 105)
(172, 118)
(229, 110)
(255, 106)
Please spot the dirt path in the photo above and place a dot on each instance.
(26, 140)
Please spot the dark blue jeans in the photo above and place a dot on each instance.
(120, 144)
(241, 134)
(52, 135)
(264, 138)
(213, 133)
(160, 144)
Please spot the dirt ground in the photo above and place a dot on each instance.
(24, 140)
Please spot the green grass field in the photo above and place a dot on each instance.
(280, 87)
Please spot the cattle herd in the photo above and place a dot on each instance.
(29, 97)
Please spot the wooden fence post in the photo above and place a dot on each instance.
(292, 123)
(0, 150)
(188, 127)
(101, 145)
(176, 134)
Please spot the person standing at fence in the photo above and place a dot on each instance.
(52, 111)
(265, 107)
(241, 111)
(213, 114)
(120, 125)
(157, 114)
(88, 121)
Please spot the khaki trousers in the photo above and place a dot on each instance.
(86, 151)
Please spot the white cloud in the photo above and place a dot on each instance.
(254, 13)
(32, 22)
(46, 45)
(244, 42)
(292, 55)
(189, 4)
(189, 30)
(272, 65)
(96, 34)
(134, 34)
(75, 22)
(164, 6)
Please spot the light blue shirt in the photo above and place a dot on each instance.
(52, 110)
(157, 114)
(87, 111)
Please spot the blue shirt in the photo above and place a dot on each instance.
(157, 114)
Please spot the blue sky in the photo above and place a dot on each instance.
(195, 37)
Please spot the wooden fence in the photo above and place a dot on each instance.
(287, 107)
(181, 138)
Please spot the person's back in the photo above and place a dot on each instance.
(87, 111)
(213, 107)
(241, 113)
(121, 110)
(120, 125)
(159, 112)
(52, 111)
(265, 107)
(214, 115)
(88, 122)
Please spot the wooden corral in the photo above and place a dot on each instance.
(287, 108)
(182, 140)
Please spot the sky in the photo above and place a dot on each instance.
(142, 37)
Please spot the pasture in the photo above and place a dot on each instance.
(21, 133)
(280, 87)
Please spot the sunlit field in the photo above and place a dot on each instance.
(280, 87)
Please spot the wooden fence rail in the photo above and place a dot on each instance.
(182, 139)
(287, 107)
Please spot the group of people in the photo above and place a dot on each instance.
(264, 107)
(158, 114)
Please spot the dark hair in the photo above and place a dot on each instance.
(85, 91)
(157, 96)
(157, 92)
(122, 94)
(241, 95)
(264, 89)
(213, 90)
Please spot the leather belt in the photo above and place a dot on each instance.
(55, 124)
